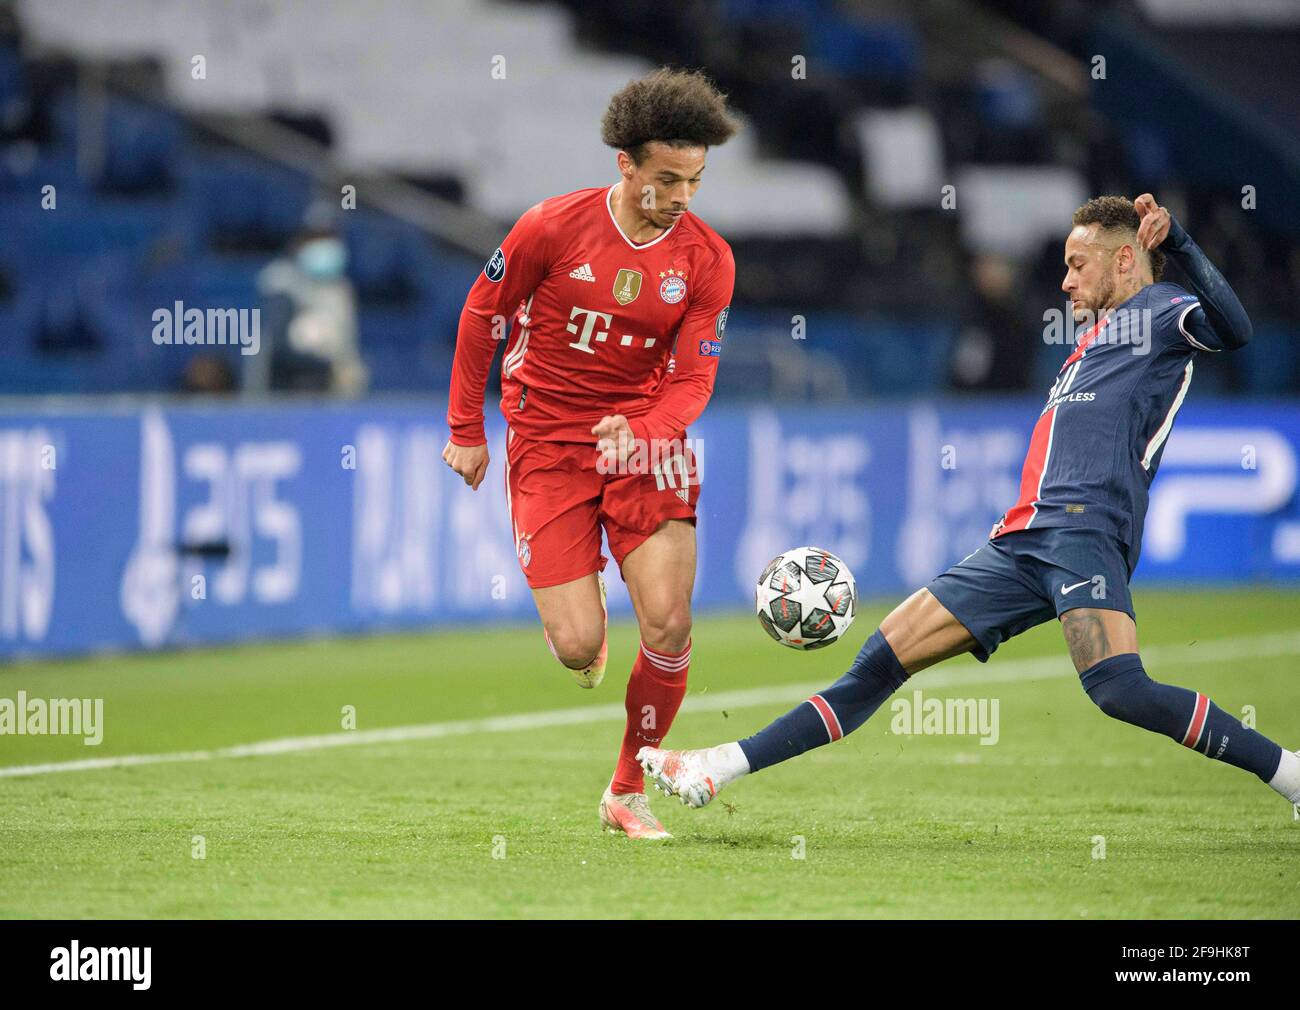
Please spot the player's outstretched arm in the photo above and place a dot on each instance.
(1221, 322)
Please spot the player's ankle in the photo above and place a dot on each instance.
(727, 762)
(1286, 780)
(625, 786)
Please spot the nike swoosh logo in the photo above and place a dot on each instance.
(1070, 589)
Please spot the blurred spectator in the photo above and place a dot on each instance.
(853, 156)
(310, 340)
(993, 350)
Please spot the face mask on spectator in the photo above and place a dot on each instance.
(322, 258)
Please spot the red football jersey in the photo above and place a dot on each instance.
(602, 326)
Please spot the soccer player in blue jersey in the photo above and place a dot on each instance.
(1067, 547)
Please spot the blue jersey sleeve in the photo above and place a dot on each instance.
(1196, 329)
(1215, 320)
(1178, 319)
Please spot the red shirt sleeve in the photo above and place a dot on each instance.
(511, 275)
(695, 356)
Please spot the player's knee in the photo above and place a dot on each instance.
(668, 630)
(1119, 687)
(1111, 701)
(576, 646)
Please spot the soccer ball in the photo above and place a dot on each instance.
(806, 598)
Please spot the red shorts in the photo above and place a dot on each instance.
(559, 502)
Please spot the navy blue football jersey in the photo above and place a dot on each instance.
(1098, 442)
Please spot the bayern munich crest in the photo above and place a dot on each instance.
(525, 552)
(672, 288)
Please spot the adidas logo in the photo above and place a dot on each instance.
(583, 273)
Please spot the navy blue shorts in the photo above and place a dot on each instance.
(1022, 579)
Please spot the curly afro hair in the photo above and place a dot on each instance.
(677, 107)
(1116, 213)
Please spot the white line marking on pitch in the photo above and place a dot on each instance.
(1210, 651)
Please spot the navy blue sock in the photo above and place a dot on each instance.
(835, 712)
(1121, 689)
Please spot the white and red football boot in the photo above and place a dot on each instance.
(695, 776)
(629, 813)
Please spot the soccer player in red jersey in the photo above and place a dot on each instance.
(619, 296)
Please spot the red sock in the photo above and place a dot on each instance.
(654, 693)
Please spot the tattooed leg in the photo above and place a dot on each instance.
(1093, 635)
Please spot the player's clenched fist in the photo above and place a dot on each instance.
(470, 461)
(613, 439)
(1155, 221)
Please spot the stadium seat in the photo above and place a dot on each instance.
(903, 154)
(241, 203)
(1011, 209)
(512, 141)
(866, 50)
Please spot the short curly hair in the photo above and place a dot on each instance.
(682, 108)
(1117, 213)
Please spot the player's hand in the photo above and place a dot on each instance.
(613, 439)
(470, 461)
(1154, 226)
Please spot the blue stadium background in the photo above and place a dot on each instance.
(152, 153)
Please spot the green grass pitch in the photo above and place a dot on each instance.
(499, 819)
